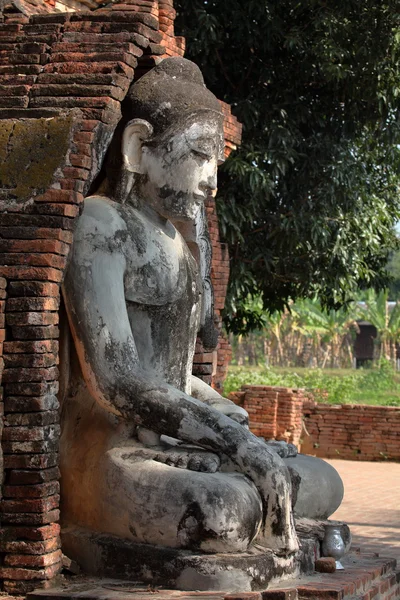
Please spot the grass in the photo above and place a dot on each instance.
(375, 386)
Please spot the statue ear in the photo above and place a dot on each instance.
(135, 133)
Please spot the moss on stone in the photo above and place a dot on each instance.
(30, 152)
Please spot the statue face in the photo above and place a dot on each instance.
(179, 169)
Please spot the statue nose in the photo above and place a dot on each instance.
(209, 185)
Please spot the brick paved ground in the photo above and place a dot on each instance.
(371, 505)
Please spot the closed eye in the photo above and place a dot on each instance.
(201, 155)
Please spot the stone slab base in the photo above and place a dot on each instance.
(365, 577)
(108, 556)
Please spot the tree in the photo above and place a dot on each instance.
(307, 335)
(309, 201)
(331, 327)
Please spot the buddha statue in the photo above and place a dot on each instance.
(149, 453)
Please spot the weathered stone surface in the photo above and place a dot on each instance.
(30, 152)
(136, 343)
(239, 572)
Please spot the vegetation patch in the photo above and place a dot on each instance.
(379, 385)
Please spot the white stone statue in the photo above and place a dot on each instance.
(150, 453)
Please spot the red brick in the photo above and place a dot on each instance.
(32, 318)
(24, 478)
(33, 304)
(28, 404)
(31, 419)
(33, 288)
(31, 434)
(39, 490)
(30, 375)
(33, 259)
(57, 195)
(29, 574)
(35, 233)
(33, 332)
(77, 160)
(32, 389)
(29, 505)
(26, 560)
(91, 47)
(30, 461)
(32, 519)
(21, 272)
(83, 68)
(73, 184)
(29, 547)
(24, 225)
(11, 448)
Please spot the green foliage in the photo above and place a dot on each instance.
(378, 385)
(308, 203)
(387, 322)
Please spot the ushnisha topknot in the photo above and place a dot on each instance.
(167, 93)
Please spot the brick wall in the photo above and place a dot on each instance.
(62, 78)
(352, 431)
(349, 431)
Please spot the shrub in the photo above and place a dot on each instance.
(371, 386)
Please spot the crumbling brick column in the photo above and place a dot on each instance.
(67, 74)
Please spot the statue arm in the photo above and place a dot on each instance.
(95, 301)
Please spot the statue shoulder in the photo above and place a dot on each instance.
(102, 223)
(104, 214)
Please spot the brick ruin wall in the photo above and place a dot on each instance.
(352, 431)
(62, 78)
(348, 431)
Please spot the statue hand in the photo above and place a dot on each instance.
(284, 449)
(266, 469)
(237, 413)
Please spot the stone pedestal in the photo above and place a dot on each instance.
(108, 556)
(364, 577)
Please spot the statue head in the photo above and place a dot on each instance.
(171, 140)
